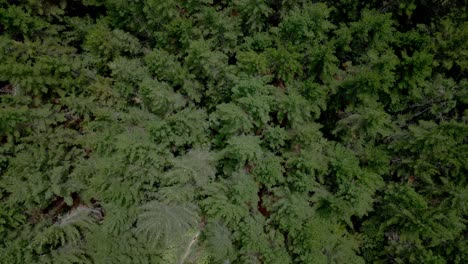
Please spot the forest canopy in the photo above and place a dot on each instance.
(231, 132)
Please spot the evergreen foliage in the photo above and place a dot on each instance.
(205, 132)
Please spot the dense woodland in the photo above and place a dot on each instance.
(245, 131)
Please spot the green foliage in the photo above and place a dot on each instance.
(241, 150)
(186, 128)
(451, 44)
(268, 170)
(165, 67)
(159, 98)
(284, 63)
(66, 231)
(161, 222)
(254, 14)
(206, 132)
(105, 43)
(327, 243)
(229, 120)
(219, 242)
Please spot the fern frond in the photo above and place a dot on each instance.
(161, 223)
(218, 242)
(197, 166)
(118, 219)
(66, 255)
(176, 193)
(68, 230)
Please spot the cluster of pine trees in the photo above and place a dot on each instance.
(244, 131)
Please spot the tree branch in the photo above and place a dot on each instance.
(189, 247)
